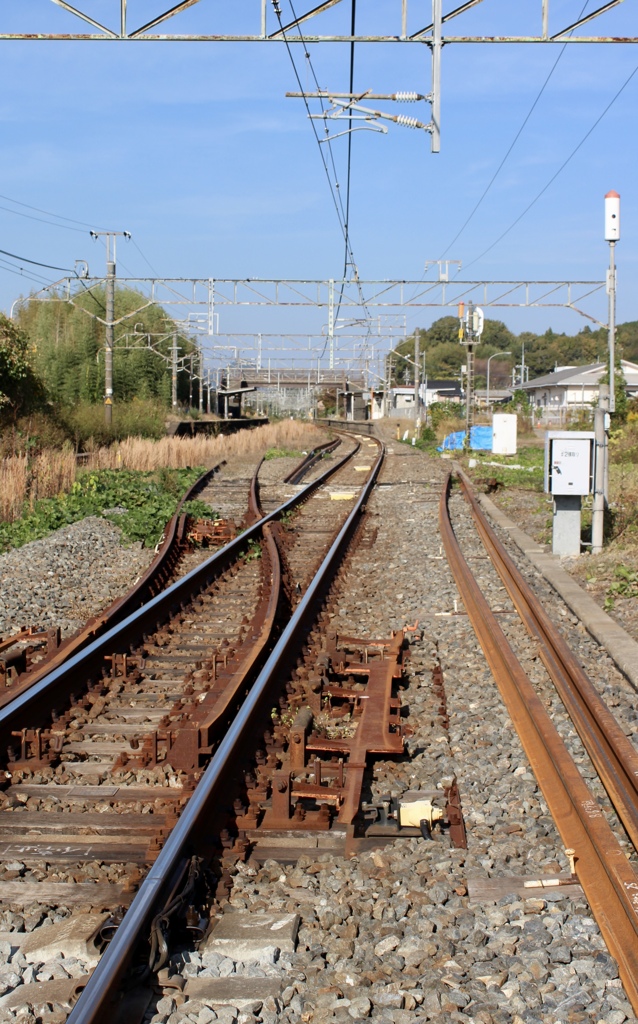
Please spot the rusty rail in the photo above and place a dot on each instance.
(608, 880)
(612, 754)
(192, 833)
(312, 458)
(29, 708)
(148, 585)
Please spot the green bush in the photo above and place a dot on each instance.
(148, 500)
(139, 418)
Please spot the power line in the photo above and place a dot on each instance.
(556, 174)
(11, 268)
(343, 215)
(147, 261)
(36, 263)
(41, 220)
(349, 161)
(312, 124)
(48, 213)
(513, 143)
(335, 190)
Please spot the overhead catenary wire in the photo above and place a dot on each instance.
(556, 173)
(47, 213)
(13, 268)
(512, 144)
(146, 260)
(41, 220)
(349, 161)
(334, 187)
(36, 263)
(333, 193)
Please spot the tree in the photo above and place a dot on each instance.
(20, 389)
(68, 339)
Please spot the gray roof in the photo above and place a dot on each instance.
(579, 375)
(573, 375)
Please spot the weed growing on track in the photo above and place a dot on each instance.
(283, 453)
(141, 504)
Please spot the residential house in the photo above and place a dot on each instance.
(574, 387)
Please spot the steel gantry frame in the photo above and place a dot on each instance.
(201, 299)
(404, 17)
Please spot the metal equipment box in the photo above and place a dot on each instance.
(504, 433)
(569, 462)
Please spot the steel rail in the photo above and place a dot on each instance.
(214, 710)
(147, 586)
(608, 880)
(32, 706)
(192, 832)
(297, 474)
(612, 754)
(140, 592)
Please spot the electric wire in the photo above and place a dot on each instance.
(349, 259)
(13, 268)
(335, 191)
(147, 261)
(58, 216)
(349, 162)
(556, 173)
(513, 143)
(41, 220)
(316, 134)
(36, 263)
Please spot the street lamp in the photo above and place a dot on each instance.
(487, 396)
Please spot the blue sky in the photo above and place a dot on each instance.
(195, 150)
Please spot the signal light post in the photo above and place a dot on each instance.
(606, 394)
(470, 331)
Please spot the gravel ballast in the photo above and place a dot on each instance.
(391, 935)
(67, 577)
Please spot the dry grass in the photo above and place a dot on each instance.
(23, 480)
(14, 483)
(52, 472)
(449, 425)
(175, 453)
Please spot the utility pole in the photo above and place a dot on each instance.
(110, 316)
(417, 383)
(208, 393)
(190, 385)
(201, 381)
(470, 331)
(174, 372)
(612, 235)
(606, 394)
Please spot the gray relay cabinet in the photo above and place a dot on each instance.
(569, 475)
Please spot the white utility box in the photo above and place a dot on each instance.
(504, 433)
(569, 462)
(569, 474)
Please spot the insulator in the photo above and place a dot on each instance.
(408, 122)
(406, 97)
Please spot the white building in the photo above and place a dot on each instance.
(575, 387)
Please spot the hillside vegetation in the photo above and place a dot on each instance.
(543, 352)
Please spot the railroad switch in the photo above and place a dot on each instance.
(211, 532)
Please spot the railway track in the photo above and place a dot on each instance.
(132, 730)
(599, 861)
(30, 655)
(308, 764)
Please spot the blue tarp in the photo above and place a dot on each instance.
(480, 440)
